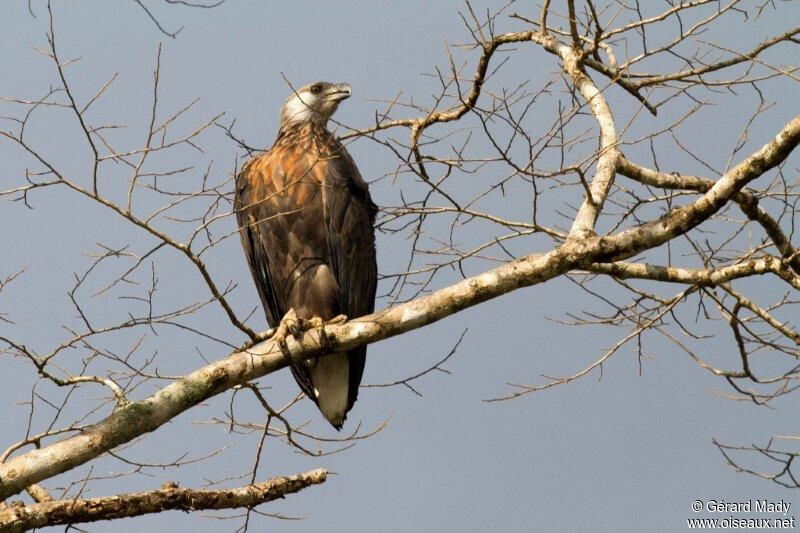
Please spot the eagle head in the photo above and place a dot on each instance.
(314, 102)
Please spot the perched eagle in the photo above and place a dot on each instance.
(306, 222)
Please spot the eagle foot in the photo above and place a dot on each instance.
(295, 326)
(290, 325)
(319, 324)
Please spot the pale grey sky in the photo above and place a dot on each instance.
(625, 453)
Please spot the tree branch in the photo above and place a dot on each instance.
(747, 201)
(702, 277)
(680, 220)
(18, 518)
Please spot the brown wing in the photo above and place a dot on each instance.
(351, 240)
(279, 209)
(248, 212)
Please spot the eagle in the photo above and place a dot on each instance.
(306, 221)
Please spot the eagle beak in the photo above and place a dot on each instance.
(339, 92)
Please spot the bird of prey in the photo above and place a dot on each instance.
(306, 223)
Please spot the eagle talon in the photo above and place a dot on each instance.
(339, 319)
(324, 340)
(288, 326)
(318, 324)
(297, 328)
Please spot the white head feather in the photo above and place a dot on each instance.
(315, 102)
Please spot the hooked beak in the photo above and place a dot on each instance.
(339, 92)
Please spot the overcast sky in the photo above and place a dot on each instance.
(629, 452)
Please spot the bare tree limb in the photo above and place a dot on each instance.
(18, 517)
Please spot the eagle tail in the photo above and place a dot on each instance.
(330, 376)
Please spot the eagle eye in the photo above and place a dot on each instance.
(315, 89)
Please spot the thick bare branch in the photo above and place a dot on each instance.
(746, 200)
(682, 219)
(702, 276)
(18, 517)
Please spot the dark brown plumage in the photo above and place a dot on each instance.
(306, 223)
